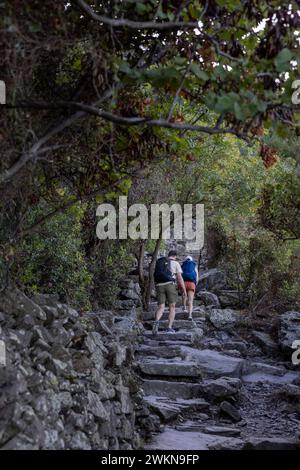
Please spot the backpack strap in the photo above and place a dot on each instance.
(169, 267)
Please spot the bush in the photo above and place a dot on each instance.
(52, 260)
(110, 264)
(264, 267)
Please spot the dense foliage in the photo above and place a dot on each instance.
(168, 101)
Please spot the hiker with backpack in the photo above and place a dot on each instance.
(167, 272)
(190, 277)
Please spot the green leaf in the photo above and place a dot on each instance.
(76, 64)
(238, 111)
(99, 198)
(225, 103)
(282, 60)
(195, 68)
(179, 60)
(141, 8)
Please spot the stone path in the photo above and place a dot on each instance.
(209, 391)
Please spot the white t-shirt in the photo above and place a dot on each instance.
(175, 268)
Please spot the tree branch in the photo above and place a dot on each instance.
(35, 149)
(131, 121)
(135, 24)
(34, 227)
(164, 25)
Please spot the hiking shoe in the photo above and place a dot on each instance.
(185, 310)
(190, 318)
(170, 330)
(155, 328)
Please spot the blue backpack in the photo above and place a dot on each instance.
(188, 271)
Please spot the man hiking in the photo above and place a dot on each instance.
(190, 277)
(167, 272)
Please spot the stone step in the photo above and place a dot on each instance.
(169, 389)
(171, 439)
(177, 325)
(214, 364)
(198, 312)
(168, 368)
(264, 377)
(197, 316)
(178, 336)
(168, 409)
(160, 351)
(201, 426)
(155, 343)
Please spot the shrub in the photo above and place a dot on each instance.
(52, 260)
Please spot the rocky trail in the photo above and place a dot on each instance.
(101, 380)
(210, 385)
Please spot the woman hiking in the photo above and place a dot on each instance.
(190, 276)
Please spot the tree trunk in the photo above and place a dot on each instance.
(150, 283)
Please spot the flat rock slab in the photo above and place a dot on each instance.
(164, 388)
(222, 431)
(163, 351)
(171, 439)
(178, 324)
(265, 368)
(151, 341)
(270, 378)
(261, 443)
(169, 409)
(197, 315)
(214, 364)
(178, 336)
(170, 369)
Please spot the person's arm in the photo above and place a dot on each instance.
(181, 282)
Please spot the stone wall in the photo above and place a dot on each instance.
(69, 381)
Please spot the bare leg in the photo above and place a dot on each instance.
(160, 312)
(171, 314)
(184, 299)
(190, 295)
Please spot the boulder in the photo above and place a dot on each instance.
(95, 406)
(16, 303)
(169, 409)
(265, 342)
(208, 298)
(221, 387)
(274, 443)
(222, 319)
(129, 294)
(289, 331)
(231, 298)
(229, 410)
(125, 304)
(211, 280)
